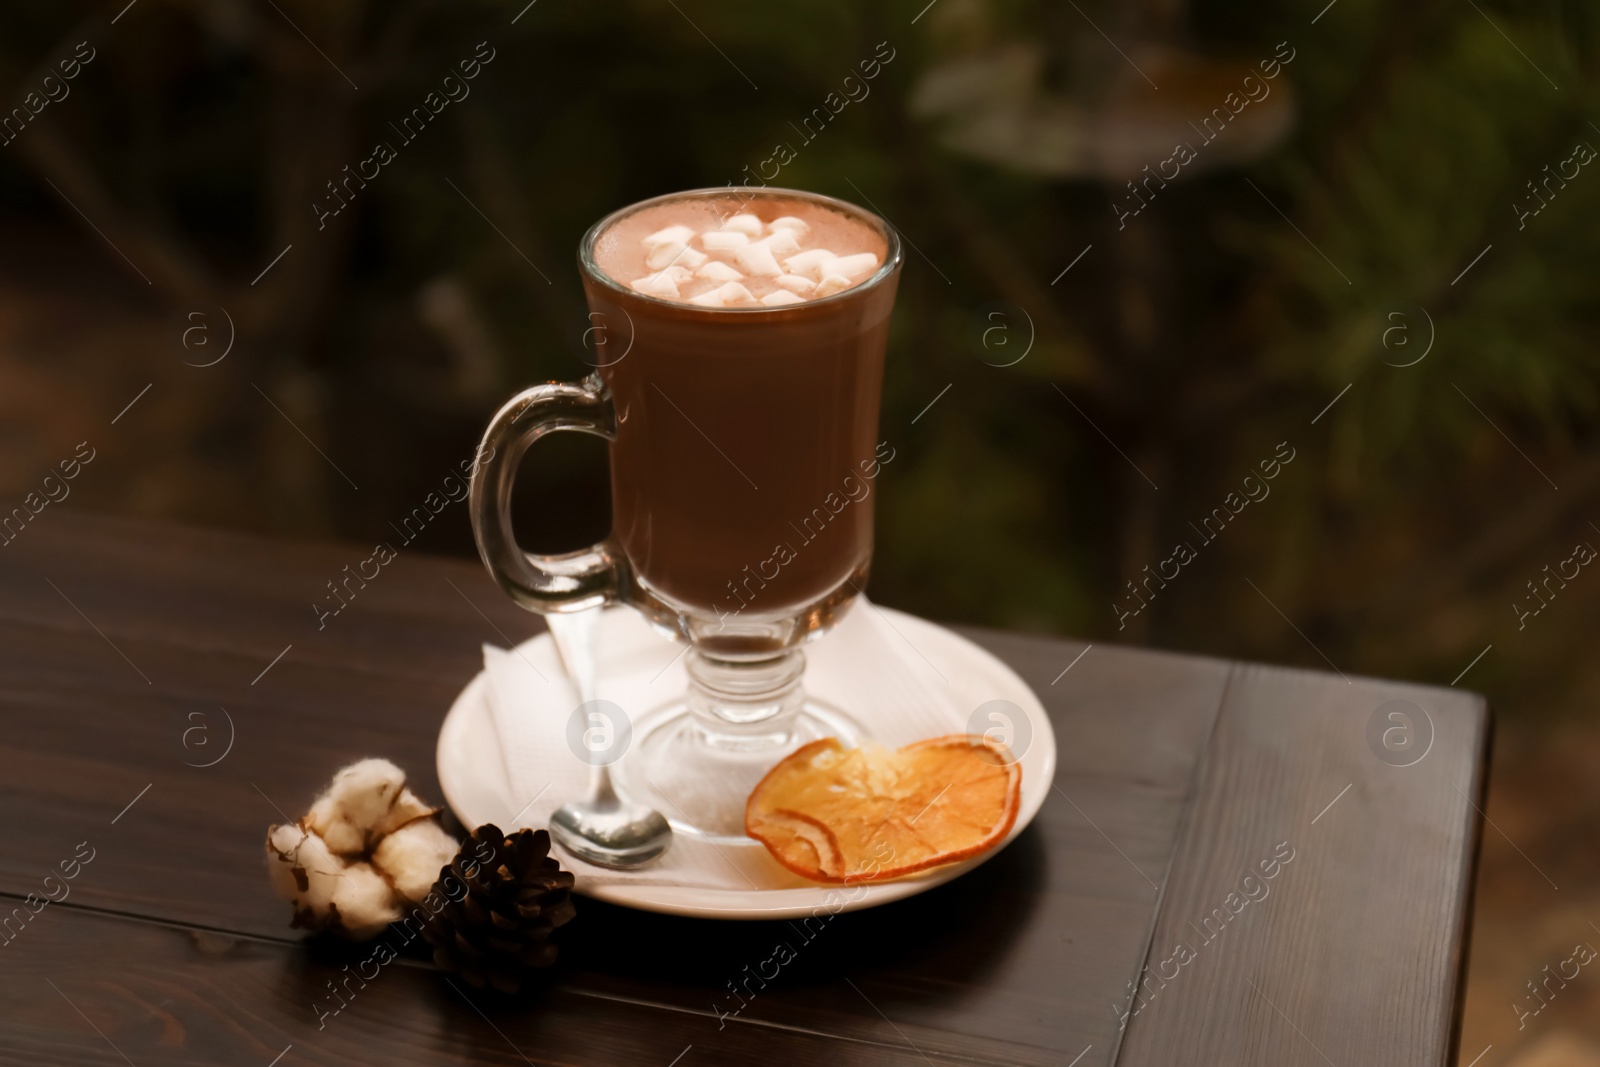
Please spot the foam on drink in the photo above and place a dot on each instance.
(720, 253)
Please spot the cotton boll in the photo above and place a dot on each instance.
(324, 813)
(363, 904)
(413, 856)
(304, 872)
(856, 265)
(364, 801)
(344, 838)
(723, 240)
(281, 841)
(360, 796)
(718, 271)
(746, 224)
(325, 865)
(407, 808)
(327, 819)
(363, 792)
(290, 847)
(833, 283)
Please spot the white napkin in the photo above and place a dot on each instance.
(866, 666)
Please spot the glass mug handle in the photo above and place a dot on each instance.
(571, 581)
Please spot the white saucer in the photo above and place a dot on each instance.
(473, 778)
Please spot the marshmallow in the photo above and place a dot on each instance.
(668, 253)
(712, 269)
(746, 224)
(721, 241)
(782, 242)
(833, 283)
(757, 260)
(662, 285)
(723, 295)
(796, 284)
(719, 271)
(855, 266)
(812, 263)
(670, 235)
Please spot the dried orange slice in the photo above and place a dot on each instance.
(836, 814)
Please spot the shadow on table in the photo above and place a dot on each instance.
(924, 950)
(937, 961)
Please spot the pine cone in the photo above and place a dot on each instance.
(498, 930)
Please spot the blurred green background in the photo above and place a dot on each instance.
(1361, 233)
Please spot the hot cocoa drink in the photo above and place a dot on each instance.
(739, 337)
(743, 344)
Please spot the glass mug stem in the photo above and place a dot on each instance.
(741, 700)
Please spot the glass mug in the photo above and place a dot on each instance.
(736, 438)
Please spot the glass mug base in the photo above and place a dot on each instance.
(699, 775)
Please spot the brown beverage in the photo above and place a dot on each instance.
(740, 342)
(746, 451)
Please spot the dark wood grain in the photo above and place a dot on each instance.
(1353, 954)
(83, 989)
(1019, 962)
(1015, 961)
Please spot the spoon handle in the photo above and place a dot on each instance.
(573, 633)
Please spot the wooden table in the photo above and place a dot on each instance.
(1179, 776)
